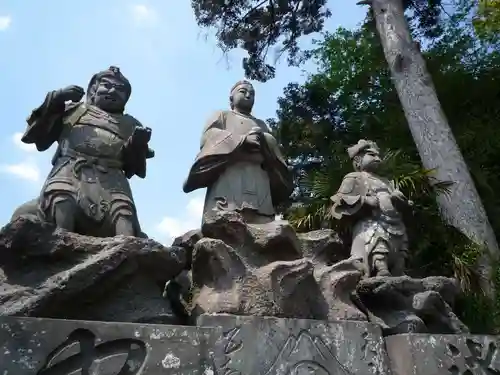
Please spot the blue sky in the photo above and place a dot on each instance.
(178, 75)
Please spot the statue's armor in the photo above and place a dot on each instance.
(244, 185)
(384, 230)
(87, 166)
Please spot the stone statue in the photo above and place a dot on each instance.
(240, 163)
(375, 207)
(99, 149)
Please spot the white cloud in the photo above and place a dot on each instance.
(5, 22)
(27, 170)
(143, 15)
(171, 227)
(16, 138)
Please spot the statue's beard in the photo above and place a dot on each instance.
(108, 104)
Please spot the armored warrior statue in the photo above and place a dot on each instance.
(375, 207)
(240, 163)
(99, 149)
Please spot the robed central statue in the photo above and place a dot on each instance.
(240, 163)
(99, 149)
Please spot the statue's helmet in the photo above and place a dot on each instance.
(360, 147)
(112, 71)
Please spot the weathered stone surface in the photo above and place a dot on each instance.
(33, 346)
(337, 282)
(421, 354)
(178, 290)
(223, 282)
(271, 346)
(260, 270)
(269, 270)
(324, 246)
(259, 243)
(407, 305)
(178, 293)
(188, 240)
(49, 272)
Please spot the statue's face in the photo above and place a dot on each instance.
(370, 160)
(111, 94)
(243, 97)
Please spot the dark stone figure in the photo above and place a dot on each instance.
(240, 163)
(100, 148)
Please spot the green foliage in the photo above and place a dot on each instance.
(352, 97)
(487, 19)
(256, 26)
(259, 25)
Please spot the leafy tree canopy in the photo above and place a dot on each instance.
(487, 19)
(258, 25)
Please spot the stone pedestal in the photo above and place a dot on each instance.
(31, 346)
(421, 354)
(225, 344)
(235, 345)
(272, 346)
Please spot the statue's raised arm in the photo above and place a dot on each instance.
(239, 162)
(45, 124)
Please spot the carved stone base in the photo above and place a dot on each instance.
(225, 345)
(32, 346)
(272, 346)
(421, 354)
(237, 345)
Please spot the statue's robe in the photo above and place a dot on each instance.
(88, 165)
(372, 227)
(236, 178)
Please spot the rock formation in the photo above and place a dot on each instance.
(49, 272)
(269, 270)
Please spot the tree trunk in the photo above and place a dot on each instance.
(433, 137)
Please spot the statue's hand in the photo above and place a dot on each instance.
(252, 140)
(135, 151)
(71, 93)
(141, 138)
(400, 200)
(371, 201)
(398, 195)
(150, 154)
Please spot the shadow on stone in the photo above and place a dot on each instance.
(407, 305)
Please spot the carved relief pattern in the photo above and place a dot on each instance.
(232, 344)
(297, 356)
(79, 352)
(369, 352)
(475, 358)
